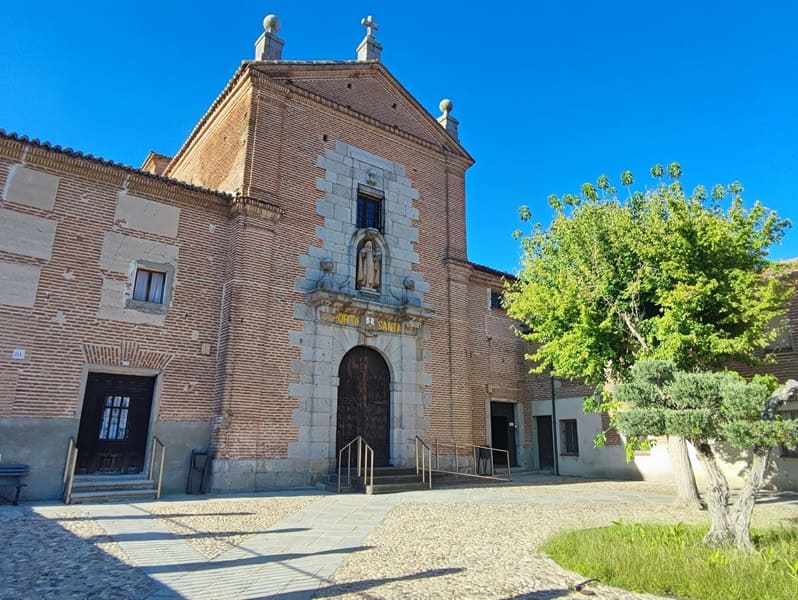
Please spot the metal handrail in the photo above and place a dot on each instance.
(438, 443)
(492, 466)
(365, 462)
(426, 461)
(69, 470)
(474, 452)
(156, 443)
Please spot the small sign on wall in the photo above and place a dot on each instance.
(17, 354)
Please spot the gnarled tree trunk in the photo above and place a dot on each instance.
(686, 488)
(720, 532)
(744, 507)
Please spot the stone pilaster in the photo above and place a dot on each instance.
(243, 406)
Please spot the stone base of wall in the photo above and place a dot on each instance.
(528, 458)
(180, 438)
(257, 475)
(47, 456)
(42, 445)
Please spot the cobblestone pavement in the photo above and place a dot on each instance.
(448, 543)
(42, 558)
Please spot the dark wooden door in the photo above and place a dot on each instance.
(114, 423)
(502, 429)
(545, 442)
(364, 401)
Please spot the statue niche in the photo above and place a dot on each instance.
(369, 266)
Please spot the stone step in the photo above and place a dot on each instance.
(390, 488)
(402, 478)
(379, 471)
(448, 479)
(354, 486)
(110, 483)
(119, 495)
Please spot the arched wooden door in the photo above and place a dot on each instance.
(364, 401)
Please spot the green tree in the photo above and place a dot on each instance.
(710, 408)
(656, 274)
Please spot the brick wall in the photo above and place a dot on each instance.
(63, 325)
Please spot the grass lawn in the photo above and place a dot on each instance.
(669, 560)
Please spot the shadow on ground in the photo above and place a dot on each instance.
(41, 559)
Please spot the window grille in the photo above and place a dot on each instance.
(114, 421)
(369, 212)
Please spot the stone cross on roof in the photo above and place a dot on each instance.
(370, 24)
(369, 49)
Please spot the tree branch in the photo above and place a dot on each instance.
(783, 394)
(633, 330)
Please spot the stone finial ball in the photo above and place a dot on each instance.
(271, 23)
(446, 105)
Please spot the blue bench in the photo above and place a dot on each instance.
(14, 471)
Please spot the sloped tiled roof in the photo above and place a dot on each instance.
(45, 145)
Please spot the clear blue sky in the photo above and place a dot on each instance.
(548, 94)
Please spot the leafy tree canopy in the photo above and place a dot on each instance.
(652, 273)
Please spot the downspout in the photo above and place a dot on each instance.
(554, 425)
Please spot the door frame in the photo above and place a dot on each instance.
(157, 374)
(518, 430)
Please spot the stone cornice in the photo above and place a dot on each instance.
(489, 276)
(458, 268)
(252, 207)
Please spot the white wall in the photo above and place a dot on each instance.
(655, 465)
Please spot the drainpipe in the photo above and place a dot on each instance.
(554, 422)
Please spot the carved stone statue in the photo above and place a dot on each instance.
(369, 266)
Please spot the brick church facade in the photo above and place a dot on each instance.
(311, 227)
(294, 276)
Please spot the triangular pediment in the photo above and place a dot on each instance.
(367, 89)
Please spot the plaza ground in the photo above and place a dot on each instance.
(442, 543)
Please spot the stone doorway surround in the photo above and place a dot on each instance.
(340, 324)
(338, 314)
(115, 423)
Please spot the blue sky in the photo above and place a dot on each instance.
(548, 94)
